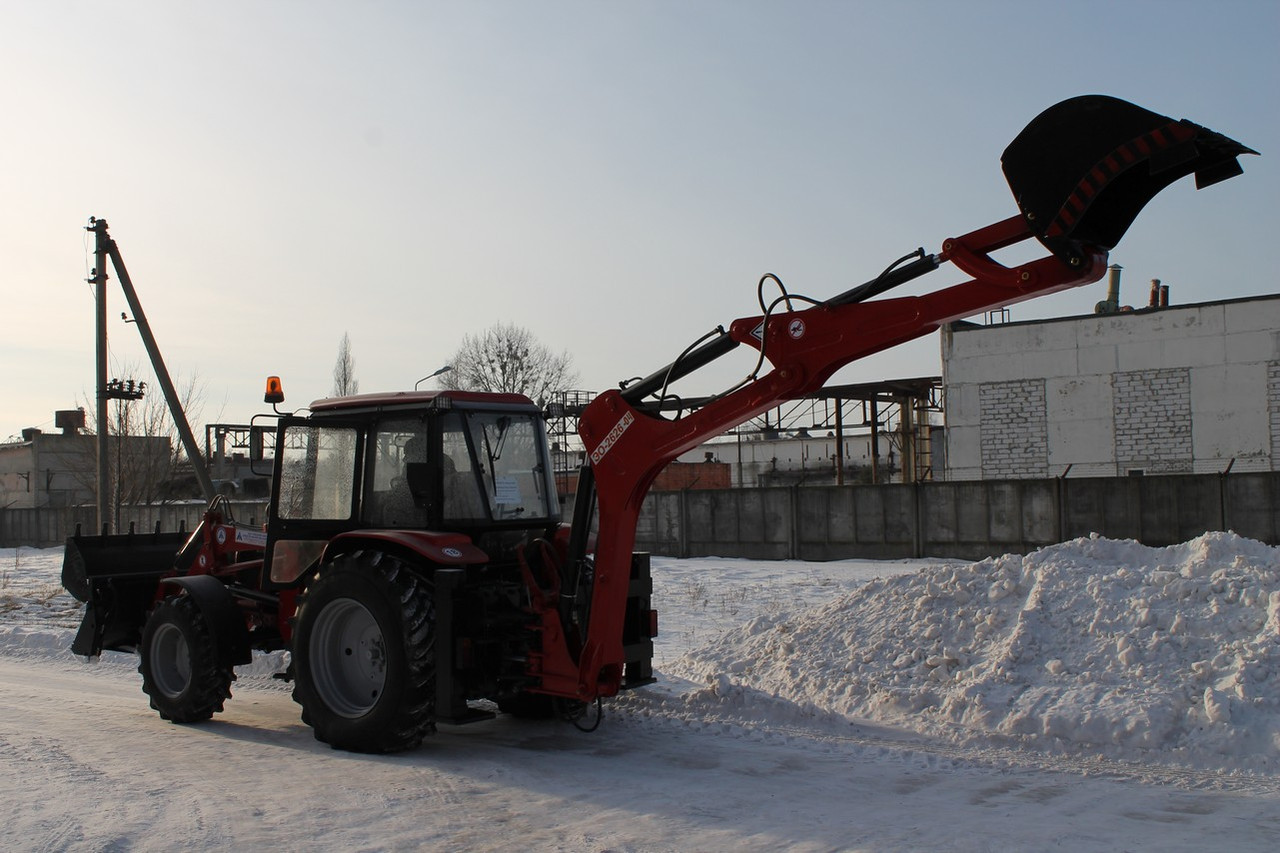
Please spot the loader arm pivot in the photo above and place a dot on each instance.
(628, 444)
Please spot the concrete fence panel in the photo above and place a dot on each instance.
(1107, 506)
(1249, 503)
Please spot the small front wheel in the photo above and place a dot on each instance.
(180, 668)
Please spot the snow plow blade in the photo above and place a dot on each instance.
(116, 576)
(1083, 169)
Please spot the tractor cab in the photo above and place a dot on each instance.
(446, 462)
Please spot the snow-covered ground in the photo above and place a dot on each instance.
(1095, 695)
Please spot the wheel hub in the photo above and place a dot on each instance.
(348, 658)
(170, 661)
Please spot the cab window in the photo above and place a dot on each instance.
(395, 446)
(317, 473)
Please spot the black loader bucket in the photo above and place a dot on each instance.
(116, 575)
(1083, 169)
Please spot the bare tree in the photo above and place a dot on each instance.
(344, 371)
(509, 359)
(157, 420)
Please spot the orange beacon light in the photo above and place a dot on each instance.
(275, 391)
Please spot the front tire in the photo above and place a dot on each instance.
(180, 667)
(364, 654)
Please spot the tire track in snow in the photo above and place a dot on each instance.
(704, 712)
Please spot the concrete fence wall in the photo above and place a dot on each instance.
(970, 520)
(46, 527)
(966, 519)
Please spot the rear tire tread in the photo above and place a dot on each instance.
(408, 597)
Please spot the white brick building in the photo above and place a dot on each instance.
(1182, 389)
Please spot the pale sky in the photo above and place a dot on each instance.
(613, 176)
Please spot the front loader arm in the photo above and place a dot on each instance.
(628, 444)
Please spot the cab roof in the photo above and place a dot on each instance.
(420, 399)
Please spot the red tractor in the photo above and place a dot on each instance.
(414, 559)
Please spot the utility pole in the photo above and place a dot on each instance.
(104, 246)
(99, 280)
(839, 441)
(874, 420)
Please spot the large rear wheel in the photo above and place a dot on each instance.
(363, 654)
(180, 668)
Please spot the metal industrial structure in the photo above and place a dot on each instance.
(896, 416)
(231, 449)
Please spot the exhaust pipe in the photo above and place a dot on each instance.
(1111, 304)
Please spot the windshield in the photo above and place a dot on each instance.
(500, 457)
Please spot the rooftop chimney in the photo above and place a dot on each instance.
(1112, 303)
(70, 421)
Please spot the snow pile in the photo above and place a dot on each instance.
(17, 639)
(1089, 648)
(31, 590)
(1093, 647)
